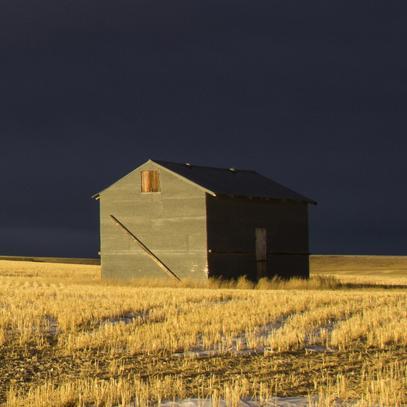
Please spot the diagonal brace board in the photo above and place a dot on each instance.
(162, 265)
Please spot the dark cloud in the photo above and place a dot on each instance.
(312, 94)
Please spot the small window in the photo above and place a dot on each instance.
(150, 181)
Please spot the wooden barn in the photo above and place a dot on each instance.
(187, 221)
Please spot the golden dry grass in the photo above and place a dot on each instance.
(362, 269)
(69, 339)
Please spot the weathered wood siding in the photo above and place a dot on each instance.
(171, 223)
(232, 224)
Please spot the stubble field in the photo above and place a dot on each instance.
(67, 339)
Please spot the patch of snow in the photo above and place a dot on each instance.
(319, 348)
(300, 401)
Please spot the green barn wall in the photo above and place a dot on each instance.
(171, 223)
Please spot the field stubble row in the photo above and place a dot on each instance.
(128, 331)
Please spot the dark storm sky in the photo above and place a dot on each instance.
(310, 93)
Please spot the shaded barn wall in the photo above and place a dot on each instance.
(232, 227)
(171, 223)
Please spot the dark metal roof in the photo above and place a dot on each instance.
(234, 182)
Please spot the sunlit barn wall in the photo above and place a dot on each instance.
(171, 223)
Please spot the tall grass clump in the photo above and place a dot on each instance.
(312, 283)
(242, 283)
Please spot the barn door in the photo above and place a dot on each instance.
(261, 252)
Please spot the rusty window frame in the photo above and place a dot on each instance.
(150, 181)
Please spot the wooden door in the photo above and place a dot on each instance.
(261, 252)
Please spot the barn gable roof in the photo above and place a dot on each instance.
(234, 182)
(231, 182)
